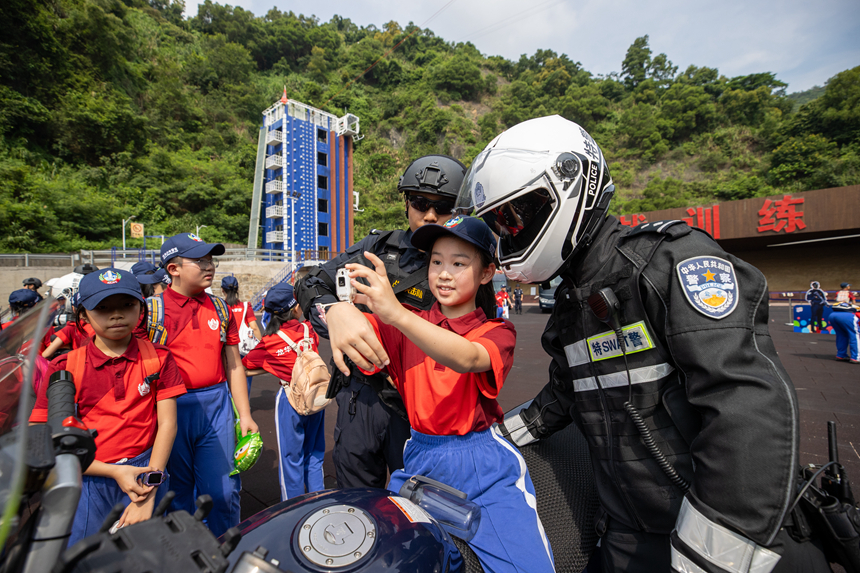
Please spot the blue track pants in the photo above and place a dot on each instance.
(202, 456)
(100, 494)
(493, 474)
(847, 327)
(301, 448)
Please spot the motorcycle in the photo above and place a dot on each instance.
(350, 530)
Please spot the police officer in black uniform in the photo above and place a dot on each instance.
(692, 422)
(372, 427)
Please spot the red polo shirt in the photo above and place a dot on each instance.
(274, 355)
(71, 334)
(194, 338)
(439, 401)
(109, 399)
(238, 309)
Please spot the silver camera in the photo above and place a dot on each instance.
(345, 289)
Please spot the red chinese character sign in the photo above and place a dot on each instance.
(635, 219)
(781, 215)
(707, 218)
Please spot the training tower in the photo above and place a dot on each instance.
(303, 181)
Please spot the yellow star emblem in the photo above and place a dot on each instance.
(709, 276)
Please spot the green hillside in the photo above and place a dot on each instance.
(113, 108)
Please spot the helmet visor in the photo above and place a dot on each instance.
(499, 175)
(510, 218)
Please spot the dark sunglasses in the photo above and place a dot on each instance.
(423, 204)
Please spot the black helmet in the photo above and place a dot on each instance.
(86, 269)
(439, 174)
(33, 281)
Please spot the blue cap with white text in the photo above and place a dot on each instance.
(189, 246)
(280, 298)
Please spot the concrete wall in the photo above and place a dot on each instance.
(252, 276)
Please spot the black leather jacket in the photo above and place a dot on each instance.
(710, 387)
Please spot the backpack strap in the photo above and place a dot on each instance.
(290, 342)
(303, 345)
(223, 315)
(151, 363)
(155, 319)
(76, 360)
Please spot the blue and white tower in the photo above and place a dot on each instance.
(304, 181)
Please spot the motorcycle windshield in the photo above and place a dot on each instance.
(21, 370)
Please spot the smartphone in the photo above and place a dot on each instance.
(345, 289)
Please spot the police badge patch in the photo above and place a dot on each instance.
(710, 285)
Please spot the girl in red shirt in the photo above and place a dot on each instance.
(301, 439)
(126, 388)
(244, 315)
(449, 364)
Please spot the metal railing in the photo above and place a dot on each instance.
(32, 260)
(276, 186)
(111, 256)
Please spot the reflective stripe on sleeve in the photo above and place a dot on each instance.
(718, 545)
(516, 427)
(683, 565)
(616, 379)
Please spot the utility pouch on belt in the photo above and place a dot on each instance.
(829, 508)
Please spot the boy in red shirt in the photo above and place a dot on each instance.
(126, 389)
(301, 439)
(449, 364)
(203, 340)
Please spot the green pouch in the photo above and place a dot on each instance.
(248, 448)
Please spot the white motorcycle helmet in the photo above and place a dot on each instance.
(544, 187)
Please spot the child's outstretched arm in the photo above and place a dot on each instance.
(445, 347)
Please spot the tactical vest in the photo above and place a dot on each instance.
(633, 489)
(409, 288)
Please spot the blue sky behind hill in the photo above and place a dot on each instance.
(803, 43)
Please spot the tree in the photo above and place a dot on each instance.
(634, 68)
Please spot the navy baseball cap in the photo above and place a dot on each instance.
(145, 273)
(97, 286)
(842, 306)
(280, 298)
(190, 246)
(229, 283)
(470, 229)
(845, 285)
(163, 277)
(23, 298)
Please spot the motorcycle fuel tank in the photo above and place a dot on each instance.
(350, 530)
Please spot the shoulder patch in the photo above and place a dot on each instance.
(674, 228)
(710, 285)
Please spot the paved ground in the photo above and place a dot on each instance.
(826, 389)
